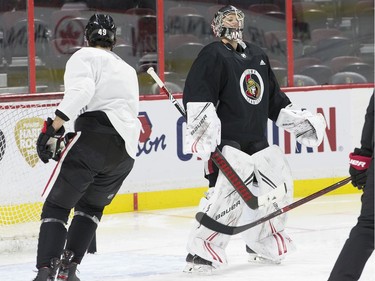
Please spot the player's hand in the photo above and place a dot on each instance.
(359, 161)
(47, 140)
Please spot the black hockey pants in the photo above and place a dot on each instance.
(89, 174)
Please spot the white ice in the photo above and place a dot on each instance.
(150, 246)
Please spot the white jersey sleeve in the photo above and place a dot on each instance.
(79, 83)
(98, 80)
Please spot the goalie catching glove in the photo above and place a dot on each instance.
(48, 145)
(307, 127)
(203, 129)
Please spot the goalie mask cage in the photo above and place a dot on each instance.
(23, 175)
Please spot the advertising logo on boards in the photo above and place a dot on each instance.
(146, 145)
(26, 133)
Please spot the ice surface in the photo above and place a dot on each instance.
(150, 246)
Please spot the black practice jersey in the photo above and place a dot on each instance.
(242, 86)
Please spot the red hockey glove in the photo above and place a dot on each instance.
(359, 162)
(49, 141)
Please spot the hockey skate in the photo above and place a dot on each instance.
(67, 271)
(196, 264)
(48, 273)
(256, 258)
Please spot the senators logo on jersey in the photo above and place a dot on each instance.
(252, 86)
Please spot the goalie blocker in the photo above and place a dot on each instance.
(203, 129)
(272, 174)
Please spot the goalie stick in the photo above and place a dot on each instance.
(214, 225)
(218, 158)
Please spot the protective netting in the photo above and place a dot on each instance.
(23, 175)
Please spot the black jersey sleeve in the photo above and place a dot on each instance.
(204, 80)
(367, 138)
(278, 99)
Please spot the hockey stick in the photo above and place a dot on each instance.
(217, 157)
(214, 225)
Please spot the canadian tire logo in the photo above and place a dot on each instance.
(26, 133)
(3, 145)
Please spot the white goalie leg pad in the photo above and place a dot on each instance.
(225, 206)
(273, 175)
(273, 248)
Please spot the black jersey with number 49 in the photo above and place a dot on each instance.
(242, 86)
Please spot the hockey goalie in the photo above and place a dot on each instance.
(230, 94)
(267, 175)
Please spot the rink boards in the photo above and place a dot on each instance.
(164, 176)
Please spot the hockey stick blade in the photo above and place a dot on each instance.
(214, 225)
(217, 157)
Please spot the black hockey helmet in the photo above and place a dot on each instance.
(220, 30)
(101, 31)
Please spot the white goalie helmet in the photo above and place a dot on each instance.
(218, 24)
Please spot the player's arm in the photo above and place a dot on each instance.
(79, 89)
(360, 158)
(308, 128)
(79, 82)
(57, 123)
(201, 92)
(205, 79)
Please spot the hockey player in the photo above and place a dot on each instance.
(360, 244)
(96, 161)
(230, 92)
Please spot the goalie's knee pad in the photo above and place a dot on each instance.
(225, 205)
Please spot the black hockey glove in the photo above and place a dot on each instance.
(359, 162)
(48, 143)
